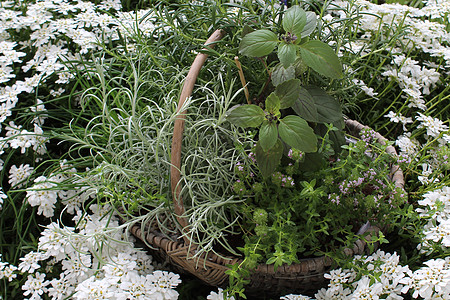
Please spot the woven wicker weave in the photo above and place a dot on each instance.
(303, 276)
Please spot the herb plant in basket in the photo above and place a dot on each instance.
(311, 190)
(312, 187)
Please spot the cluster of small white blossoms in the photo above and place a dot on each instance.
(54, 27)
(425, 34)
(436, 208)
(380, 276)
(431, 37)
(97, 261)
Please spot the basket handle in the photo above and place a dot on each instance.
(177, 136)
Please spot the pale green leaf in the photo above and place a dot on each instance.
(248, 115)
(280, 74)
(294, 20)
(273, 104)
(287, 54)
(258, 43)
(311, 23)
(296, 132)
(321, 58)
(268, 135)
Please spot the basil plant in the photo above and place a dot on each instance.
(310, 104)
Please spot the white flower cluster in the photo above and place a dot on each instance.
(54, 28)
(7, 270)
(45, 192)
(97, 261)
(380, 276)
(435, 207)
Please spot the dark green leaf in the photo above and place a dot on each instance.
(296, 132)
(258, 43)
(321, 58)
(328, 108)
(311, 23)
(305, 107)
(294, 20)
(287, 54)
(281, 74)
(268, 135)
(248, 115)
(288, 92)
(268, 161)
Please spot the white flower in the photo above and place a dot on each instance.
(433, 126)
(30, 262)
(364, 290)
(61, 288)
(7, 271)
(3, 196)
(43, 195)
(295, 297)
(53, 241)
(398, 118)
(93, 289)
(18, 175)
(407, 145)
(133, 286)
(427, 171)
(77, 267)
(163, 284)
(218, 296)
(35, 286)
(40, 109)
(432, 280)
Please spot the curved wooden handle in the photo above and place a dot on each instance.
(177, 137)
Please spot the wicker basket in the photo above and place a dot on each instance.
(304, 276)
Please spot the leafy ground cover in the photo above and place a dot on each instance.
(88, 93)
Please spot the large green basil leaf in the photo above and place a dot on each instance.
(296, 132)
(269, 160)
(287, 54)
(305, 106)
(294, 20)
(281, 74)
(273, 104)
(258, 43)
(321, 58)
(328, 108)
(288, 92)
(311, 23)
(268, 135)
(248, 115)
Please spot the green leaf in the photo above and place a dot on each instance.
(269, 160)
(258, 43)
(321, 58)
(296, 132)
(305, 107)
(273, 104)
(287, 53)
(288, 92)
(268, 135)
(311, 23)
(248, 115)
(328, 108)
(281, 74)
(294, 20)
